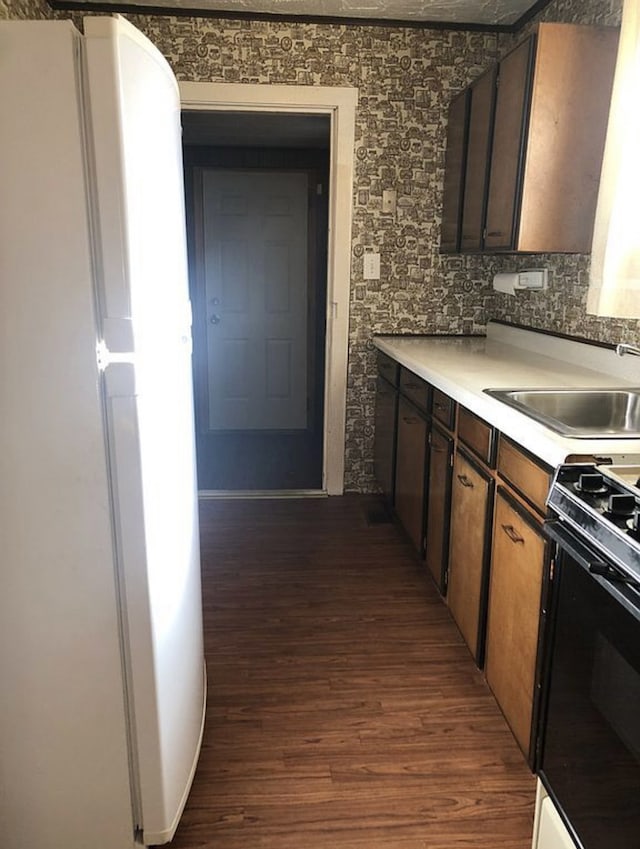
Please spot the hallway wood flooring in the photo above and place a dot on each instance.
(344, 709)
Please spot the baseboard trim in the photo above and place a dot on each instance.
(253, 494)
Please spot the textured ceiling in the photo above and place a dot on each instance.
(457, 12)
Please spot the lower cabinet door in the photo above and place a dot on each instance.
(438, 506)
(410, 468)
(471, 503)
(385, 437)
(518, 563)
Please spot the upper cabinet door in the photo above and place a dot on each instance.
(479, 145)
(454, 172)
(567, 127)
(512, 101)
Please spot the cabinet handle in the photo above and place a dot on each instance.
(437, 450)
(440, 406)
(410, 420)
(511, 532)
(464, 480)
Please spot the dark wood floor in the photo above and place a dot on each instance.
(344, 709)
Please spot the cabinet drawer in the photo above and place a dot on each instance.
(388, 368)
(443, 409)
(477, 435)
(414, 388)
(525, 475)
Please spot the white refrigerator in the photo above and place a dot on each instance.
(102, 673)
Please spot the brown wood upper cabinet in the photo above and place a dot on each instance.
(454, 172)
(536, 189)
(482, 96)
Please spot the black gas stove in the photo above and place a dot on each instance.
(602, 504)
(589, 737)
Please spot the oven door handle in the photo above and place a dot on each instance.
(597, 567)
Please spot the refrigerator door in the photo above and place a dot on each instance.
(141, 269)
(64, 760)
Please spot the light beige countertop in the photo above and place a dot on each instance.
(512, 358)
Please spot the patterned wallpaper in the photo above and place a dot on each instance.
(24, 9)
(405, 79)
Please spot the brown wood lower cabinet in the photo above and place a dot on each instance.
(385, 437)
(484, 548)
(471, 504)
(438, 506)
(411, 445)
(518, 565)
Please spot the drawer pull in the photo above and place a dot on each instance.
(464, 480)
(511, 532)
(410, 420)
(413, 386)
(437, 450)
(442, 407)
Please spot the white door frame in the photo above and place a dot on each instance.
(340, 105)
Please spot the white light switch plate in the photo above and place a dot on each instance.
(371, 266)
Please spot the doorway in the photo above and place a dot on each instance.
(339, 104)
(257, 221)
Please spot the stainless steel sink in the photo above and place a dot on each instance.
(579, 413)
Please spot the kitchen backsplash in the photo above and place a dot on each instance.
(24, 9)
(405, 78)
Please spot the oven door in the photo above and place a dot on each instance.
(590, 745)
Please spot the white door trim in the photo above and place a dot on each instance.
(340, 105)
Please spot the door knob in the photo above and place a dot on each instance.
(215, 319)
